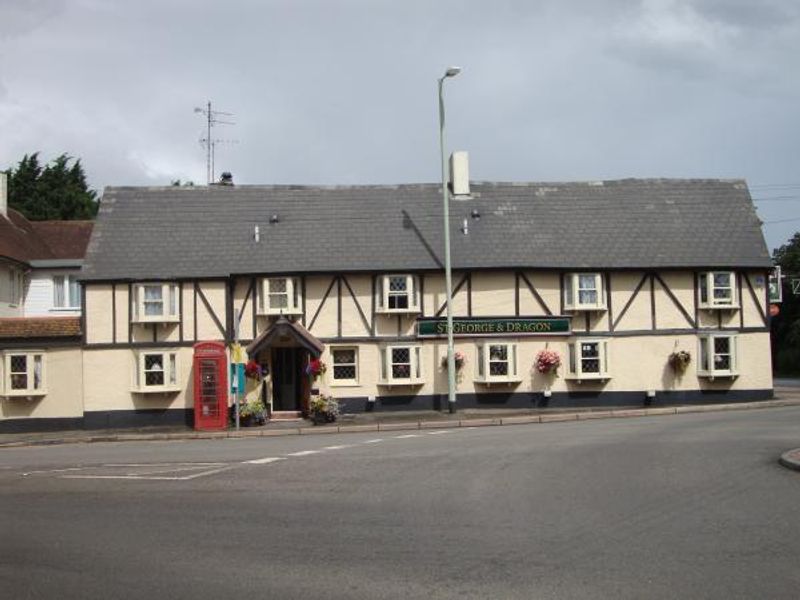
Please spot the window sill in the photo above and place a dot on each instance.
(406, 382)
(164, 320)
(397, 311)
(718, 307)
(65, 308)
(347, 383)
(25, 393)
(711, 376)
(504, 381)
(276, 313)
(161, 389)
(586, 308)
(580, 378)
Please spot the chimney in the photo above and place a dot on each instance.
(3, 194)
(459, 173)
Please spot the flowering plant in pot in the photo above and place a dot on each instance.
(547, 361)
(679, 360)
(252, 413)
(315, 368)
(324, 409)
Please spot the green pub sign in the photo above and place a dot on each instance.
(483, 326)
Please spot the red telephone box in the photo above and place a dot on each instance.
(210, 386)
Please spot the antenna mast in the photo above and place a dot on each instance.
(212, 118)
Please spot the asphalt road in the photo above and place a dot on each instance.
(688, 506)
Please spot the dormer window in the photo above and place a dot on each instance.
(280, 296)
(717, 290)
(584, 291)
(155, 302)
(398, 294)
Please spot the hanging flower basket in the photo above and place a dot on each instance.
(315, 368)
(547, 362)
(458, 358)
(679, 361)
(253, 370)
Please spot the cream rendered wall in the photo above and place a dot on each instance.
(638, 316)
(109, 377)
(98, 311)
(214, 292)
(63, 379)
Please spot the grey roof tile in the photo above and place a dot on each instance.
(171, 232)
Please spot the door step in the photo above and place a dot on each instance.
(286, 415)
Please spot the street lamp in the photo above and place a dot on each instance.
(451, 366)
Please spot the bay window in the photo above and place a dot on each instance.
(717, 356)
(23, 373)
(717, 290)
(587, 359)
(280, 296)
(584, 291)
(398, 294)
(497, 362)
(156, 371)
(401, 365)
(155, 302)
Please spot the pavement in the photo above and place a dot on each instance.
(787, 393)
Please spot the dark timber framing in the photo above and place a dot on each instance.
(113, 313)
(676, 302)
(457, 289)
(625, 308)
(210, 310)
(536, 295)
(358, 306)
(322, 303)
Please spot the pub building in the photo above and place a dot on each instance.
(648, 291)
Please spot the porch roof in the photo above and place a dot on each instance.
(283, 329)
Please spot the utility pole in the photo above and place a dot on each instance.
(212, 118)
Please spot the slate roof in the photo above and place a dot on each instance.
(23, 240)
(187, 232)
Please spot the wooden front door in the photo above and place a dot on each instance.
(287, 367)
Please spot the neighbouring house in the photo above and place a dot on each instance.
(40, 319)
(648, 292)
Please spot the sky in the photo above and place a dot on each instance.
(345, 91)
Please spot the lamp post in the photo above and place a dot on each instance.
(451, 363)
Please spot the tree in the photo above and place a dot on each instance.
(57, 191)
(786, 326)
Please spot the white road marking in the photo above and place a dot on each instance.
(440, 431)
(343, 446)
(405, 437)
(375, 441)
(148, 477)
(304, 453)
(264, 461)
(52, 471)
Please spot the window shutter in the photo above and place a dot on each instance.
(381, 287)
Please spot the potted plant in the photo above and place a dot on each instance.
(679, 361)
(547, 362)
(253, 370)
(252, 413)
(324, 409)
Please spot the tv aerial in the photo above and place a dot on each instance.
(209, 142)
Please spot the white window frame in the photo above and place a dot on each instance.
(170, 366)
(387, 376)
(573, 289)
(16, 285)
(485, 358)
(707, 356)
(344, 382)
(575, 360)
(33, 386)
(706, 281)
(292, 293)
(385, 294)
(65, 283)
(170, 303)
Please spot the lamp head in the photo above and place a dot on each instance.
(452, 71)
